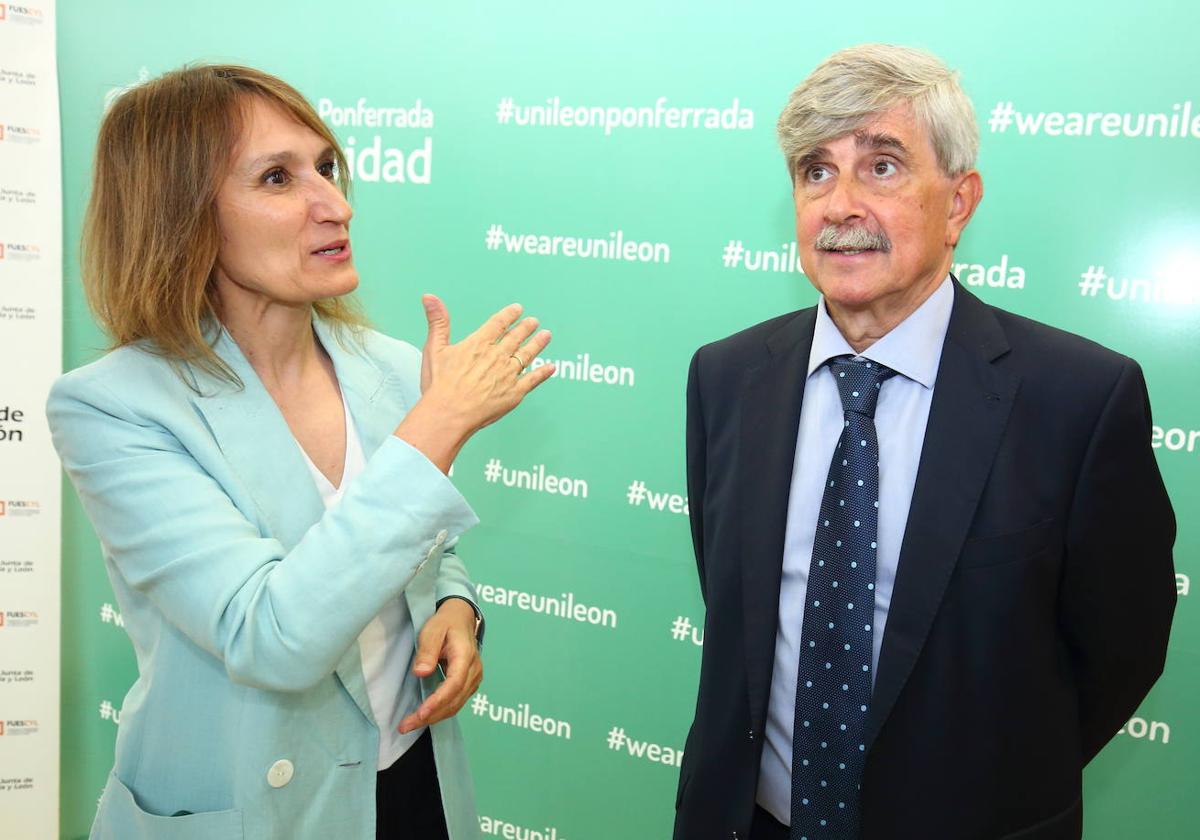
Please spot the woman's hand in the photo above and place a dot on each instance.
(466, 386)
(448, 637)
(479, 378)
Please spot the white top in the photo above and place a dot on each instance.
(388, 642)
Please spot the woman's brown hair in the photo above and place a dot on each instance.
(150, 235)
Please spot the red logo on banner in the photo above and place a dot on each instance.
(1, 722)
(3, 14)
(1, 245)
(1, 503)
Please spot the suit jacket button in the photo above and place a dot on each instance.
(733, 836)
(751, 735)
(281, 773)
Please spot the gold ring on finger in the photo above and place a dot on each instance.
(520, 361)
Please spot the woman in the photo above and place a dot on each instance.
(267, 478)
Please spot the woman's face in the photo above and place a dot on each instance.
(285, 225)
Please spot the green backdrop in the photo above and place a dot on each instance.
(1095, 231)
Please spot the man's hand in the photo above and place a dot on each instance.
(448, 637)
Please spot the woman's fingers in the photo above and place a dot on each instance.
(533, 348)
(494, 328)
(438, 319)
(448, 698)
(448, 636)
(515, 337)
(534, 378)
(483, 377)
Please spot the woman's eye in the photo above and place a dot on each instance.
(276, 177)
(327, 169)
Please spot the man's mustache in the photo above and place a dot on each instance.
(834, 238)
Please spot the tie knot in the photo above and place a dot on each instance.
(858, 383)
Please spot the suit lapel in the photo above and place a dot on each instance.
(970, 407)
(770, 419)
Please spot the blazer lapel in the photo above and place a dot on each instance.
(375, 400)
(377, 404)
(260, 448)
(770, 419)
(263, 453)
(970, 408)
(375, 412)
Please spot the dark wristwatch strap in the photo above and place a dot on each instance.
(479, 621)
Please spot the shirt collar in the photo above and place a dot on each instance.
(913, 348)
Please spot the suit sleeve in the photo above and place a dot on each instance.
(277, 619)
(696, 467)
(1118, 591)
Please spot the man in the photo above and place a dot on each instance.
(932, 539)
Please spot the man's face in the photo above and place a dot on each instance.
(876, 218)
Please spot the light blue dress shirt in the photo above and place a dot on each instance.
(913, 349)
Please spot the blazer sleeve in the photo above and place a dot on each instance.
(277, 619)
(453, 580)
(1118, 589)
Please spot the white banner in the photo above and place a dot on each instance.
(30, 360)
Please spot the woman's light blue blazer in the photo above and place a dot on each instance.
(244, 598)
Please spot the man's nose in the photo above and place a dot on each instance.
(843, 202)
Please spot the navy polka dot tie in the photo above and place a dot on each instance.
(833, 689)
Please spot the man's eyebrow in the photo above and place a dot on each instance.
(878, 140)
(862, 139)
(811, 156)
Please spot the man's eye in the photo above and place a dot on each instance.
(276, 177)
(883, 168)
(816, 174)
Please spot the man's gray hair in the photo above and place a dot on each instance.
(857, 84)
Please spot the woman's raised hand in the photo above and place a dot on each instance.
(466, 386)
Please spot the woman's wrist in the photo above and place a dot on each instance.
(438, 435)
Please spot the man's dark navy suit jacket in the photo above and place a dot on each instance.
(1033, 598)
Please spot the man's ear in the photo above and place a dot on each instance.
(968, 192)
